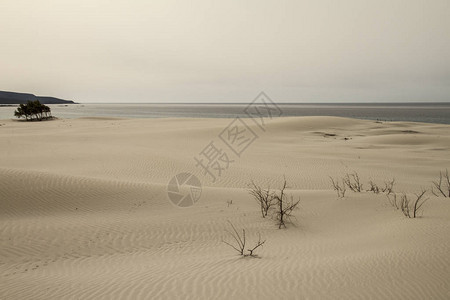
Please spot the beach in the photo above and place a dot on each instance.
(85, 212)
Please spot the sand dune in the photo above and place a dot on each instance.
(84, 211)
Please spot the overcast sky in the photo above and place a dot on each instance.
(227, 51)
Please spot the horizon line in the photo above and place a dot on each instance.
(246, 103)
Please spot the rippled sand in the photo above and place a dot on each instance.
(84, 211)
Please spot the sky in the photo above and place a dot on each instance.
(227, 51)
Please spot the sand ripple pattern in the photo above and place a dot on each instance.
(58, 240)
(90, 219)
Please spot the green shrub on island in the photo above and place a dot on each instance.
(33, 111)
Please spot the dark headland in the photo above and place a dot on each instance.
(19, 98)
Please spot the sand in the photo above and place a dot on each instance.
(84, 211)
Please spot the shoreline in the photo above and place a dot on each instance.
(96, 117)
(422, 113)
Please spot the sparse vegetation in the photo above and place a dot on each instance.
(340, 189)
(374, 187)
(392, 198)
(264, 197)
(389, 186)
(239, 242)
(442, 186)
(284, 207)
(353, 182)
(282, 204)
(410, 208)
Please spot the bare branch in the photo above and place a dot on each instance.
(373, 187)
(409, 210)
(258, 244)
(404, 204)
(357, 184)
(447, 181)
(353, 182)
(388, 187)
(393, 201)
(417, 203)
(340, 190)
(240, 241)
(285, 207)
(443, 185)
(264, 197)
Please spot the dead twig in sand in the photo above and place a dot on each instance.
(353, 182)
(410, 208)
(240, 241)
(284, 207)
(392, 197)
(443, 188)
(239, 244)
(373, 187)
(340, 189)
(258, 244)
(388, 187)
(264, 197)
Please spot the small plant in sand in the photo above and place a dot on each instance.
(239, 242)
(442, 186)
(353, 182)
(284, 206)
(392, 198)
(410, 208)
(264, 197)
(339, 188)
(373, 187)
(388, 187)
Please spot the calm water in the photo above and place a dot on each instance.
(418, 112)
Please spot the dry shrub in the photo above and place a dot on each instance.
(239, 242)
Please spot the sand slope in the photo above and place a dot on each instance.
(84, 212)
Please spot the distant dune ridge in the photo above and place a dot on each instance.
(19, 98)
(85, 214)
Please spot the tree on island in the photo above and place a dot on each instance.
(33, 111)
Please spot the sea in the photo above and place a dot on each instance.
(416, 112)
